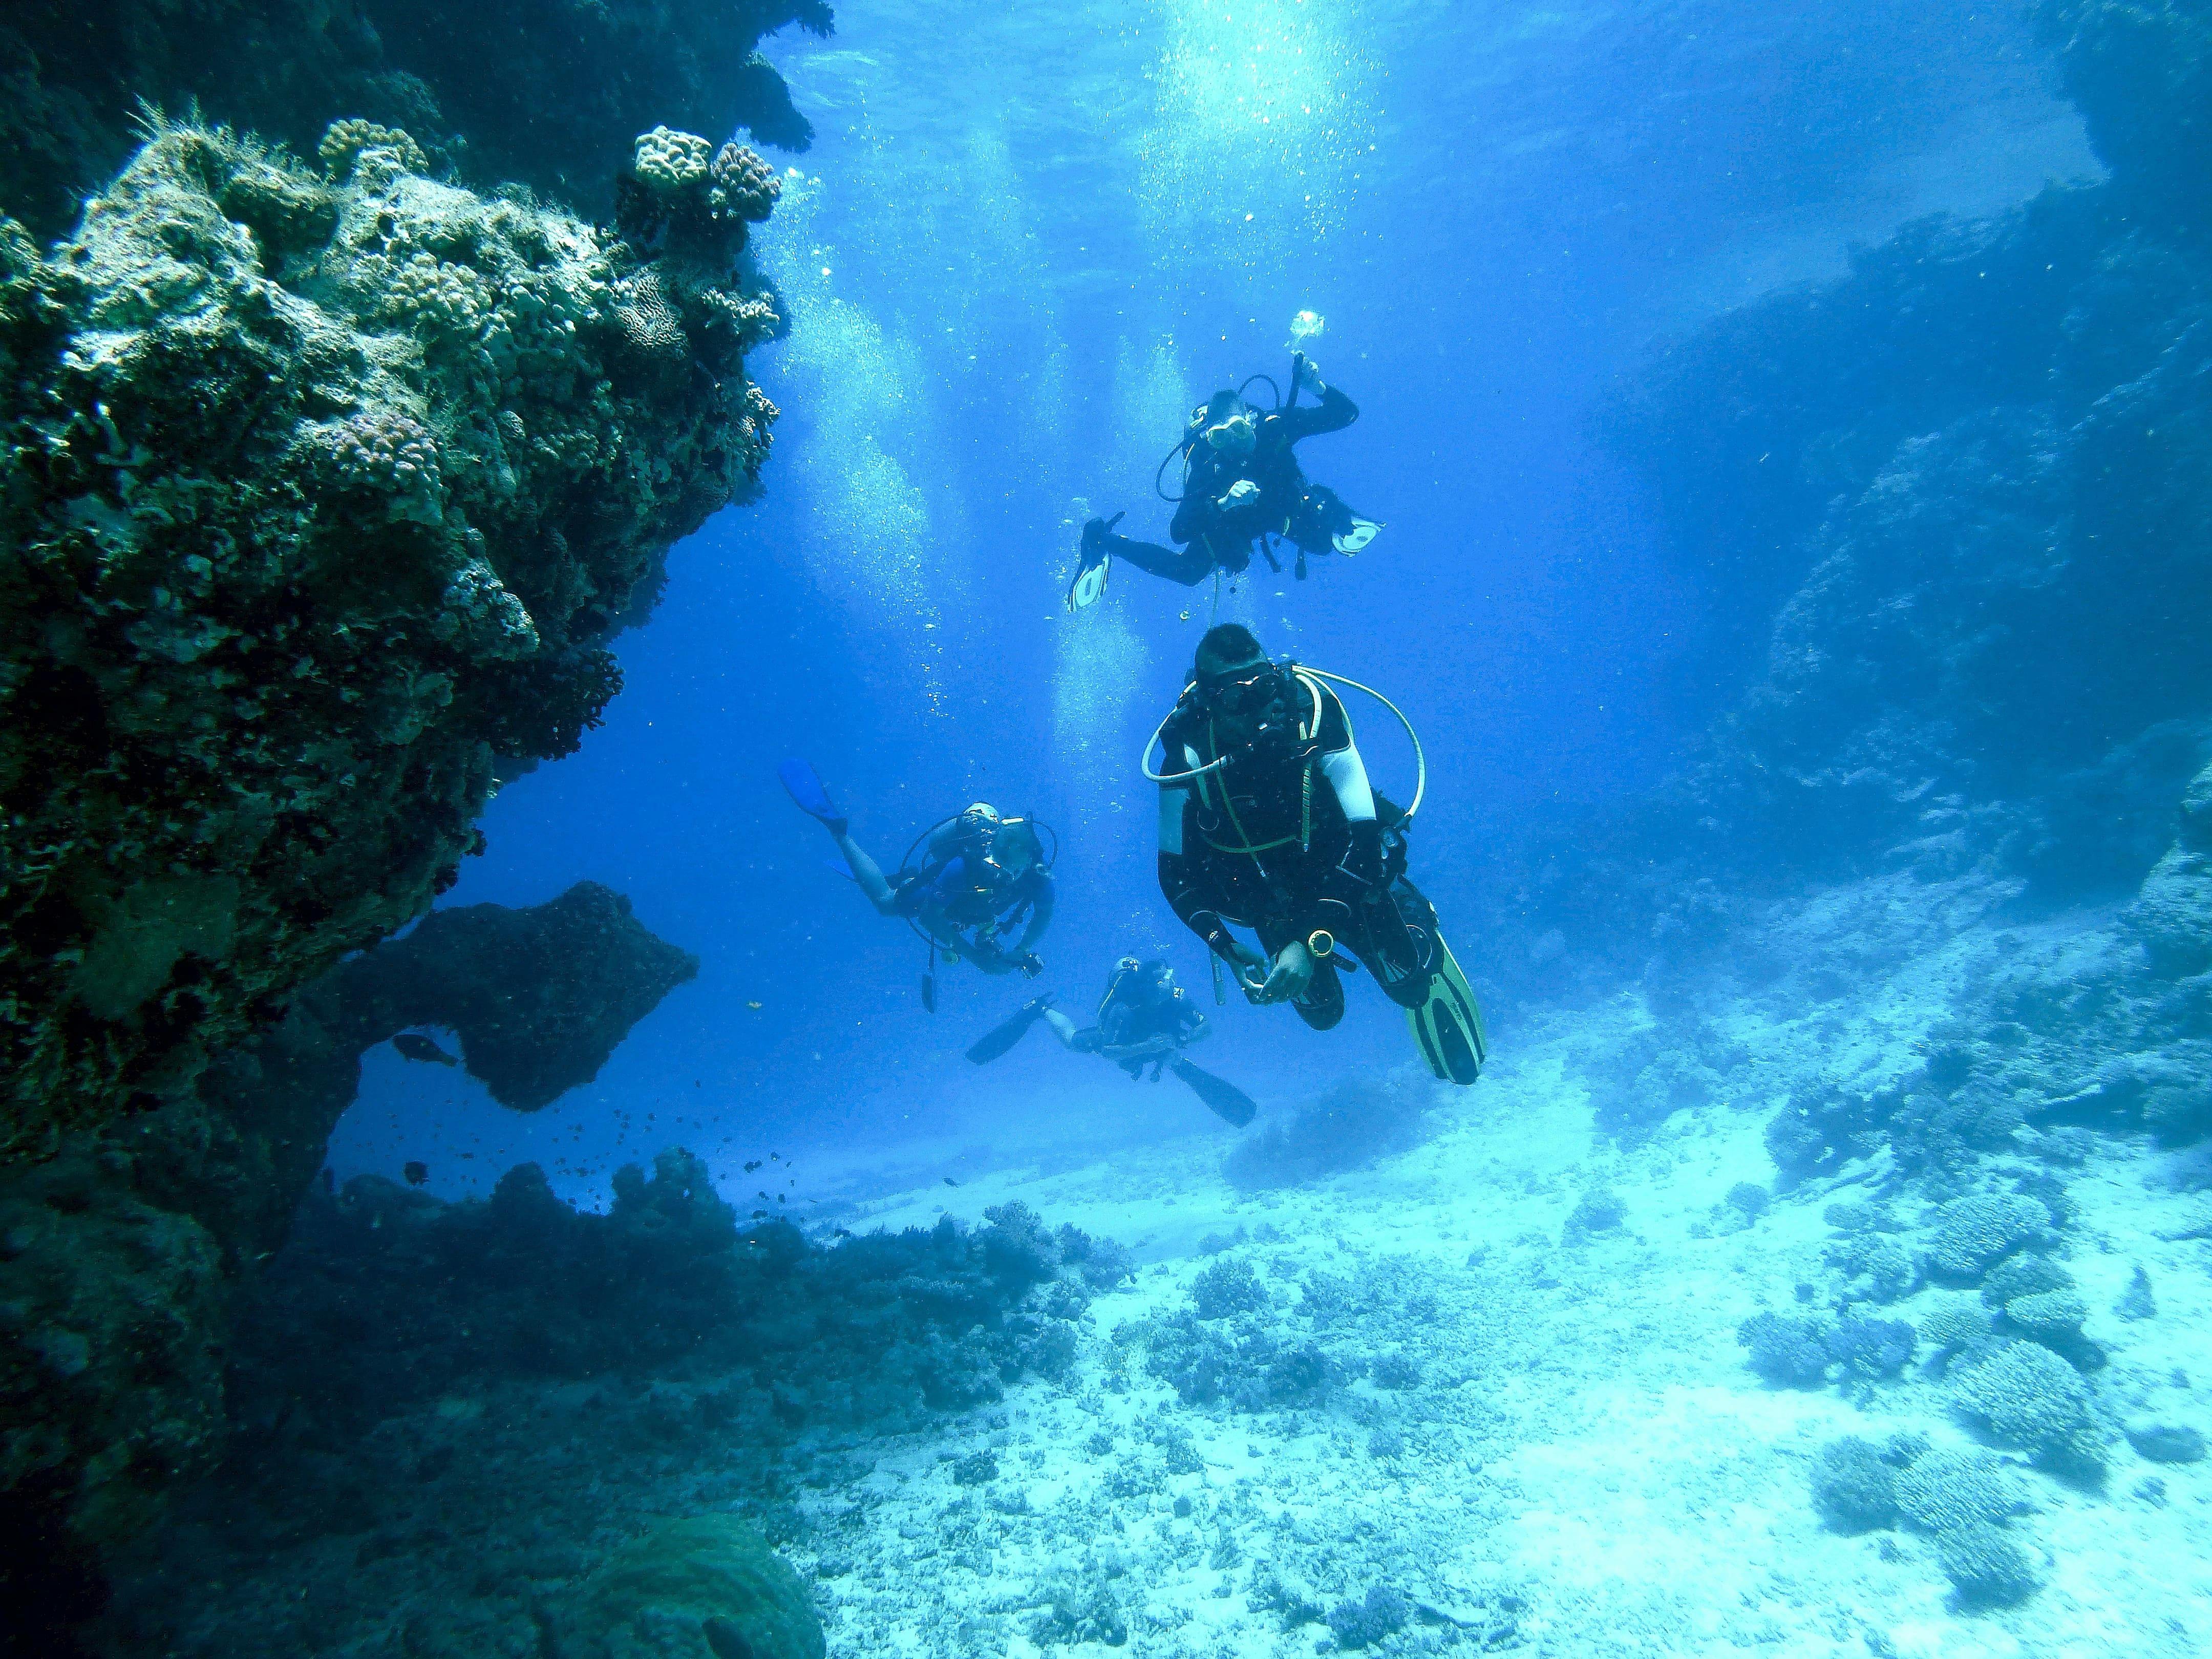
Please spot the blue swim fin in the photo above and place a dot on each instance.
(802, 785)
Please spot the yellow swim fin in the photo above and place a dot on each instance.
(1448, 1027)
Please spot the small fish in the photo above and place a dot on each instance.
(416, 1046)
(757, 1214)
(752, 1165)
(842, 1232)
(416, 1171)
(752, 1004)
(950, 1182)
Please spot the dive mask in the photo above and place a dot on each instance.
(1235, 434)
(1246, 689)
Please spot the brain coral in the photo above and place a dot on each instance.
(324, 492)
(707, 1587)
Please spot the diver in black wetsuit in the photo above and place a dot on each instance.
(1144, 1019)
(979, 874)
(1268, 821)
(1241, 484)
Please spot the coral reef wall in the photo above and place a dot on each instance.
(548, 93)
(1950, 512)
(119, 1256)
(326, 491)
(335, 455)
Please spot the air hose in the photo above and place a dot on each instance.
(1420, 758)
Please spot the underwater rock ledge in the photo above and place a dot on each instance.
(545, 93)
(327, 490)
(120, 1256)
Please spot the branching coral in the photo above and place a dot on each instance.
(2030, 1399)
(1975, 1233)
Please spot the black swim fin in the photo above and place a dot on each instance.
(805, 787)
(1229, 1102)
(1093, 565)
(1001, 1038)
(1448, 1026)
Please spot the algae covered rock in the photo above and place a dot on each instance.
(706, 1587)
(545, 92)
(326, 491)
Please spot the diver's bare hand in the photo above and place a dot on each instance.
(1238, 494)
(1292, 972)
(1309, 376)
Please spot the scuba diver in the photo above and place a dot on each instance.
(1241, 483)
(1144, 1019)
(1268, 821)
(977, 876)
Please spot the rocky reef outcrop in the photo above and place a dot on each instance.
(452, 1421)
(120, 1256)
(1948, 515)
(548, 93)
(326, 491)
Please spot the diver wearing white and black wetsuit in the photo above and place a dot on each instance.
(1289, 838)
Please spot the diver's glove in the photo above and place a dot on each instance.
(1364, 860)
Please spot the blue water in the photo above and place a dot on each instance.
(1021, 248)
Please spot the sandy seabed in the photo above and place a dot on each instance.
(1577, 1461)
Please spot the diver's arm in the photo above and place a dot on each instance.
(1347, 774)
(1347, 777)
(1333, 413)
(1042, 896)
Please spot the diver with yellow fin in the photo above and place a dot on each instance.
(1242, 486)
(1268, 821)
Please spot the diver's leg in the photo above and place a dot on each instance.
(1190, 565)
(1392, 931)
(870, 874)
(1062, 1026)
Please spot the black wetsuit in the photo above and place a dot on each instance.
(1209, 536)
(1135, 1011)
(1292, 841)
(950, 895)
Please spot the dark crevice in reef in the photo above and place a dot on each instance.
(1948, 514)
(120, 1258)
